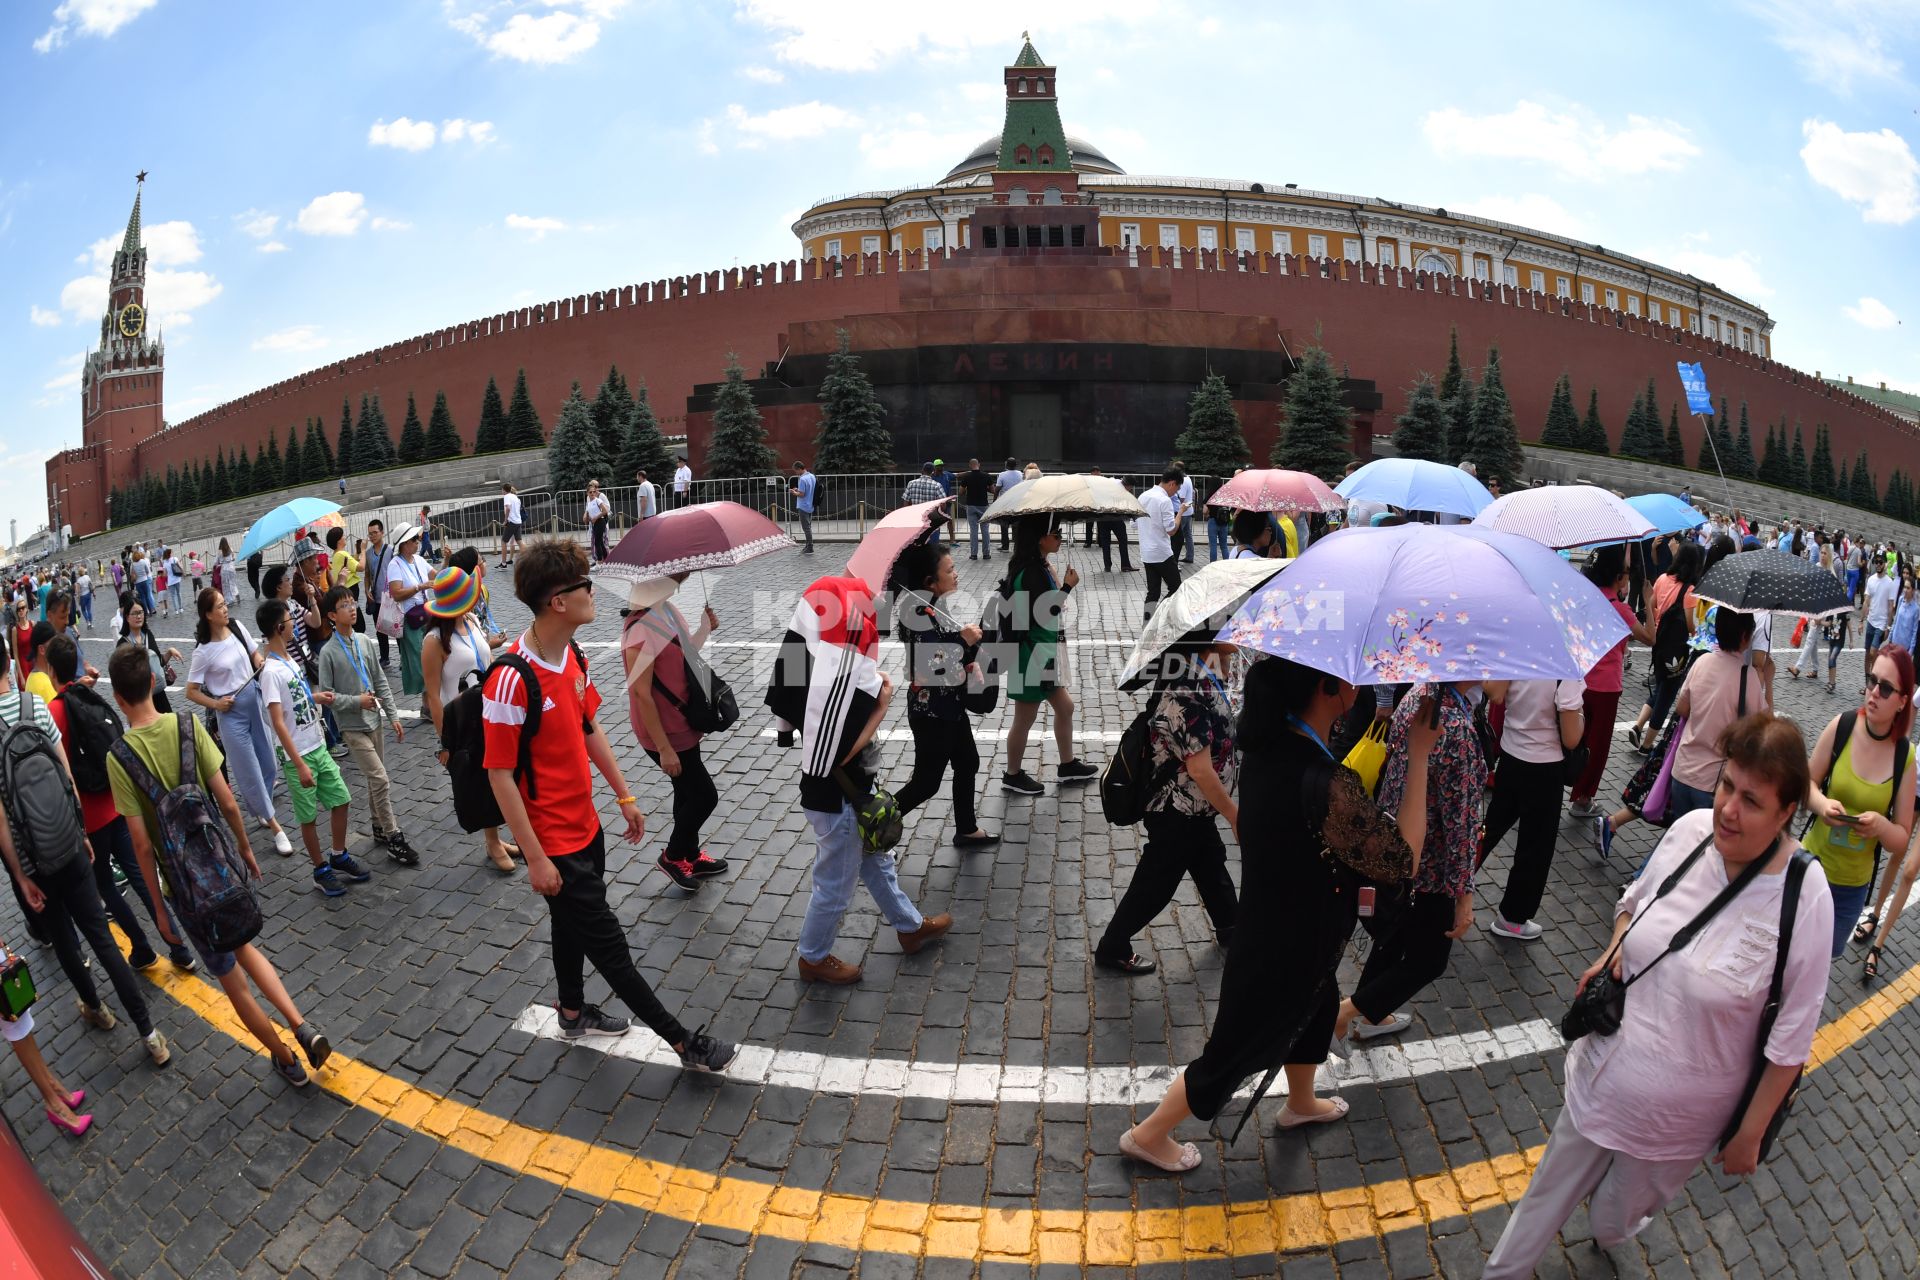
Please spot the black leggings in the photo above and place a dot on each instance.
(73, 905)
(1410, 950)
(938, 743)
(1178, 844)
(585, 928)
(113, 843)
(694, 800)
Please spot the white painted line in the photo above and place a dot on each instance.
(988, 1082)
(906, 735)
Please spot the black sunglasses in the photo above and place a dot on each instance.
(585, 584)
(1887, 688)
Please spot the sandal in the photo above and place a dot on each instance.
(1189, 1155)
(1864, 930)
(1871, 969)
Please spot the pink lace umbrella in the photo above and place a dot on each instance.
(879, 551)
(707, 535)
(1275, 490)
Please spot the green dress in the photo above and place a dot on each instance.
(1038, 672)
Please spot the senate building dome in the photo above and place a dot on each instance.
(1084, 158)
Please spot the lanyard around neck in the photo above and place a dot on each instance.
(366, 680)
(1310, 732)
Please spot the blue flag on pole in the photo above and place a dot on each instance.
(1694, 380)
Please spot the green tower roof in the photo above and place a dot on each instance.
(1036, 122)
(131, 244)
(1028, 57)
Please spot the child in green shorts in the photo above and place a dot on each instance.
(313, 779)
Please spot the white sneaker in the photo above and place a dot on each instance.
(282, 845)
(1526, 931)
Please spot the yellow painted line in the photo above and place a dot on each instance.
(1126, 1237)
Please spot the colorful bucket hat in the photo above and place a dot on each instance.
(454, 592)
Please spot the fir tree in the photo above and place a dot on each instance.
(382, 435)
(524, 429)
(575, 456)
(291, 472)
(853, 438)
(1319, 430)
(413, 437)
(642, 447)
(1770, 457)
(241, 473)
(1676, 447)
(272, 473)
(443, 438)
(326, 449)
(343, 449)
(1420, 432)
(313, 454)
(1633, 436)
(1456, 401)
(156, 495)
(1843, 486)
(222, 482)
(190, 495)
(491, 435)
(610, 411)
(738, 447)
(1743, 465)
(1723, 437)
(1562, 429)
(1863, 490)
(173, 486)
(1593, 431)
(1820, 479)
(1796, 461)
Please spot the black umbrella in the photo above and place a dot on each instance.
(1767, 579)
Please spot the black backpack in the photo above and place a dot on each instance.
(463, 736)
(41, 805)
(1671, 638)
(1130, 781)
(999, 637)
(709, 706)
(92, 729)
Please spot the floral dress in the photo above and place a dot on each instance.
(1456, 775)
(936, 663)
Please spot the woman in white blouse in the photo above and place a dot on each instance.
(221, 679)
(409, 580)
(597, 512)
(1646, 1103)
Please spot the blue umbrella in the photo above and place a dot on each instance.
(1430, 602)
(282, 521)
(1666, 513)
(1414, 484)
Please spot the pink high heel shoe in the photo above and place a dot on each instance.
(78, 1126)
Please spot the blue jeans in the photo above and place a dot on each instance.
(144, 590)
(1217, 545)
(86, 607)
(1183, 540)
(1848, 902)
(979, 543)
(836, 862)
(249, 747)
(1682, 798)
(173, 589)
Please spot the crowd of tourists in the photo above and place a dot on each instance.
(299, 695)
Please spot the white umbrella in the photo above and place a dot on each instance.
(1566, 515)
(1069, 495)
(1206, 598)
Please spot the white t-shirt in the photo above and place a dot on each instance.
(645, 500)
(512, 503)
(408, 573)
(220, 667)
(470, 654)
(281, 682)
(83, 585)
(142, 570)
(173, 569)
(597, 507)
(1532, 729)
(1882, 591)
(1762, 631)
(682, 477)
(1157, 526)
(1664, 1086)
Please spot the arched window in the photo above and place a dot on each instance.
(1023, 84)
(1016, 195)
(1023, 154)
(1045, 154)
(1434, 264)
(1050, 196)
(1042, 85)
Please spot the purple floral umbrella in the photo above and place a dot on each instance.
(1430, 602)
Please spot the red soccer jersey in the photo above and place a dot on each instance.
(561, 809)
(96, 807)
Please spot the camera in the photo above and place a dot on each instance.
(1598, 1009)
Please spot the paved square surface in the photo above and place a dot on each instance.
(955, 1114)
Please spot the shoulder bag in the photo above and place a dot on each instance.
(1789, 908)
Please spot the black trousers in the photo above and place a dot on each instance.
(938, 743)
(360, 615)
(1409, 953)
(73, 905)
(1164, 574)
(1178, 844)
(1109, 530)
(113, 843)
(1529, 794)
(585, 928)
(694, 800)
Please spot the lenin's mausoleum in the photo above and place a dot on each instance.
(1036, 301)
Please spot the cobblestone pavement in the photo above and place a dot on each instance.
(975, 1131)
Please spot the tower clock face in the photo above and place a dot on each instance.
(133, 318)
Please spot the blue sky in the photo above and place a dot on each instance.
(326, 178)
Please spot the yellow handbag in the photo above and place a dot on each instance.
(1369, 755)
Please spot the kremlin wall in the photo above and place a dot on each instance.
(1027, 332)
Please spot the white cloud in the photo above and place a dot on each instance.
(1839, 42)
(1533, 209)
(1575, 142)
(45, 319)
(339, 213)
(93, 17)
(478, 132)
(168, 244)
(68, 375)
(862, 35)
(536, 228)
(273, 246)
(1875, 170)
(300, 337)
(392, 224)
(703, 138)
(176, 320)
(557, 37)
(916, 151)
(402, 135)
(783, 124)
(1737, 272)
(257, 224)
(1871, 313)
(765, 75)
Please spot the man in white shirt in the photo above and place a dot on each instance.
(1184, 497)
(1882, 591)
(509, 524)
(1157, 527)
(646, 499)
(682, 483)
(1007, 478)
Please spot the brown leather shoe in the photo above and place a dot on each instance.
(833, 970)
(931, 927)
